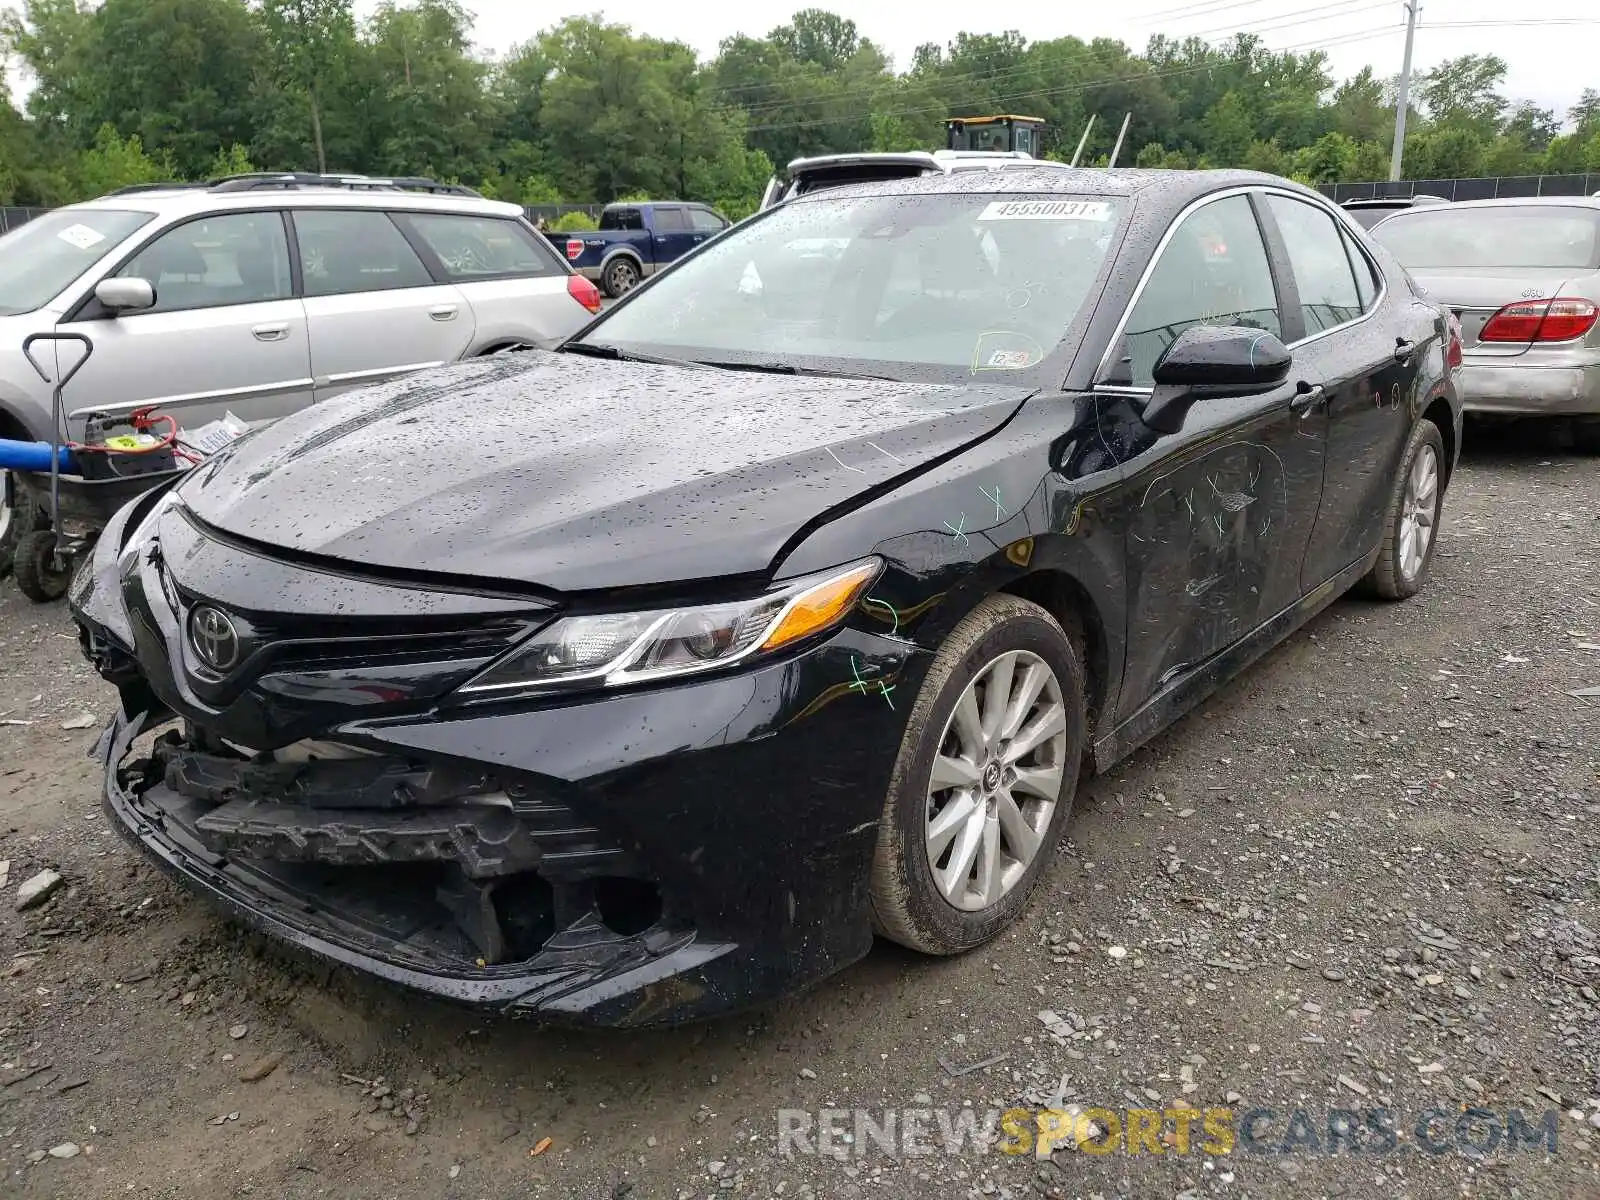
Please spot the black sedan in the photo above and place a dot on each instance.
(645, 679)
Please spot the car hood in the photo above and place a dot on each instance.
(572, 473)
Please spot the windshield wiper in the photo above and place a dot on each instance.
(783, 368)
(598, 350)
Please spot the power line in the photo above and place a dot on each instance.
(1165, 73)
(1509, 24)
(1189, 11)
(1329, 13)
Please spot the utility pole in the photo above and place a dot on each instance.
(1078, 153)
(1117, 149)
(1413, 11)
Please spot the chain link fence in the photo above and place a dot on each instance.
(1494, 187)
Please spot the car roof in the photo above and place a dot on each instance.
(196, 201)
(1172, 186)
(1590, 202)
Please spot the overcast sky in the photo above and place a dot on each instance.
(1549, 63)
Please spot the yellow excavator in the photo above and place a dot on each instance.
(1005, 132)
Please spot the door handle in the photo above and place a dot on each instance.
(443, 312)
(1307, 397)
(270, 333)
(1403, 350)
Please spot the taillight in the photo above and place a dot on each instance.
(1567, 319)
(1558, 320)
(584, 292)
(574, 249)
(1452, 352)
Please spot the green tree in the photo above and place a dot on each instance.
(235, 160)
(310, 39)
(431, 108)
(1464, 93)
(115, 161)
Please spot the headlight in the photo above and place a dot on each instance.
(613, 649)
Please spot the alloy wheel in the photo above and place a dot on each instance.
(996, 780)
(8, 509)
(623, 278)
(1419, 511)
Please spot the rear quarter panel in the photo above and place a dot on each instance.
(538, 310)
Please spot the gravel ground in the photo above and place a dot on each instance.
(1363, 877)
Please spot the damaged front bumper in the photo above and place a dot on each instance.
(638, 858)
(588, 971)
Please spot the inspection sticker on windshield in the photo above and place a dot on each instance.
(81, 236)
(1047, 210)
(1010, 360)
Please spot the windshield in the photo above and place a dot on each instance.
(42, 257)
(947, 286)
(1530, 236)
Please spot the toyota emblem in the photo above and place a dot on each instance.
(213, 638)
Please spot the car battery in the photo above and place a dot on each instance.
(121, 456)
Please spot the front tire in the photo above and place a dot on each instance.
(1411, 525)
(984, 781)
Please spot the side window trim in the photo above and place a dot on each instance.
(1107, 362)
(88, 307)
(419, 246)
(1285, 284)
(1381, 279)
(426, 261)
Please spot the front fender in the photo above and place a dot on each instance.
(1025, 500)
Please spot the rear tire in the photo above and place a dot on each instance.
(1586, 436)
(620, 277)
(1411, 525)
(37, 576)
(960, 852)
(19, 516)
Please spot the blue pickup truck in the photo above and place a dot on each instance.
(634, 241)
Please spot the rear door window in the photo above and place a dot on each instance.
(705, 221)
(1321, 265)
(1366, 274)
(347, 251)
(474, 247)
(671, 220)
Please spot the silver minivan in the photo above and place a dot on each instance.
(261, 294)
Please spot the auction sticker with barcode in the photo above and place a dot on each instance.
(81, 236)
(1047, 210)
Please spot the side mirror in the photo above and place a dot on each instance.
(1210, 361)
(125, 294)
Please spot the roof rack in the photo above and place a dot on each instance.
(261, 180)
(170, 185)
